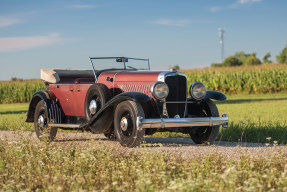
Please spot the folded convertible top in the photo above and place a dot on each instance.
(54, 75)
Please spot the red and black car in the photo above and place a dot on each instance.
(123, 99)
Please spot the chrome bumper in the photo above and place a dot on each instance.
(182, 122)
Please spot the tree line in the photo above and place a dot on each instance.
(245, 59)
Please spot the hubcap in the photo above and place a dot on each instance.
(93, 107)
(41, 121)
(124, 124)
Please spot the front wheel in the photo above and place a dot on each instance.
(125, 123)
(206, 135)
(43, 131)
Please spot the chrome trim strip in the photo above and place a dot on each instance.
(72, 126)
(182, 122)
(164, 74)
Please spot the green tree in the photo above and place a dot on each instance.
(16, 79)
(216, 64)
(252, 60)
(282, 57)
(176, 67)
(266, 58)
(232, 61)
(241, 56)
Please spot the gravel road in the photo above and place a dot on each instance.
(179, 147)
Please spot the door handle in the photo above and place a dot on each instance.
(71, 90)
(78, 90)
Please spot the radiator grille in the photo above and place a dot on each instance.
(177, 92)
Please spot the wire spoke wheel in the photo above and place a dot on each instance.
(41, 120)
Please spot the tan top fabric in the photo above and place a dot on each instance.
(55, 75)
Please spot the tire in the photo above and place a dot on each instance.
(111, 135)
(206, 135)
(100, 94)
(127, 134)
(43, 132)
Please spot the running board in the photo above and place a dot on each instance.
(70, 126)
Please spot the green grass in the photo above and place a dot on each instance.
(26, 166)
(253, 118)
(13, 116)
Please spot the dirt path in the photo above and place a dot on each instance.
(179, 147)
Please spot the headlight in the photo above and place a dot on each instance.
(197, 90)
(159, 90)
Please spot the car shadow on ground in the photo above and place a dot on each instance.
(12, 112)
(157, 142)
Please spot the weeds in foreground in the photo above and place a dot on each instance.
(27, 166)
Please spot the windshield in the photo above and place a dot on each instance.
(120, 63)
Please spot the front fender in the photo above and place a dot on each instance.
(215, 95)
(106, 112)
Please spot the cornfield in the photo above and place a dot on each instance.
(247, 80)
(19, 91)
(229, 80)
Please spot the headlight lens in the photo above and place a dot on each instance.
(197, 90)
(160, 90)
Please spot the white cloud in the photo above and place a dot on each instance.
(235, 5)
(82, 6)
(170, 22)
(248, 1)
(24, 43)
(216, 8)
(8, 21)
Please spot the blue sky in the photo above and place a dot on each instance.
(62, 34)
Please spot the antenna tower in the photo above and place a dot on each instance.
(221, 36)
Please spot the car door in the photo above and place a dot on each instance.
(67, 98)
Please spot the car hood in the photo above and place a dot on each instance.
(131, 76)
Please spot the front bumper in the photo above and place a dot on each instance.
(182, 122)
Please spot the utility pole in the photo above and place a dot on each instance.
(221, 36)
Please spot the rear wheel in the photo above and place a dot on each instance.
(43, 131)
(206, 135)
(125, 123)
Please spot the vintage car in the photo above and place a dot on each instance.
(123, 99)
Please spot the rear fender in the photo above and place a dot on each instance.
(53, 109)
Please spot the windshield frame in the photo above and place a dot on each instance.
(123, 59)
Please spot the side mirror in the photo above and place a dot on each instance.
(122, 59)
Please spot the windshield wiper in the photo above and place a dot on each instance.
(132, 67)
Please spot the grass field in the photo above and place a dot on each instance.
(26, 166)
(253, 118)
(63, 167)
